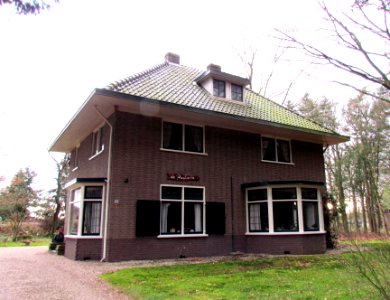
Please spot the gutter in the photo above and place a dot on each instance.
(108, 189)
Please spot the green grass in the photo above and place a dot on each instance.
(42, 241)
(301, 277)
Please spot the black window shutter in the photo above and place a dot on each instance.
(215, 218)
(148, 218)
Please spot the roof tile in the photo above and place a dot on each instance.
(177, 84)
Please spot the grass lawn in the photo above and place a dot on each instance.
(41, 241)
(293, 277)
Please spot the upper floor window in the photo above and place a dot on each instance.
(237, 93)
(219, 88)
(275, 150)
(97, 141)
(182, 137)
(74, 157)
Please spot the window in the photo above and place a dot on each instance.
(275, 150)
(237, 93)
(85, 210)
(180, 137)
(258, 210)
(97, 141)
(75, 201)
(182, 210)
(219, 88)
(75, 158)
(310, 209)
(283, 209)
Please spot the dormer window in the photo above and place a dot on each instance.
(219, 88)
(237, 92)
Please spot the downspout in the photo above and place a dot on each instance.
(108, 189)
(232, 213)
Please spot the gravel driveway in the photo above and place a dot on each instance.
(35, 273)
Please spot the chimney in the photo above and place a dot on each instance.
(172, 58)
(213, 68)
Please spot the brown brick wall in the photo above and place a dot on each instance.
(83, 249)
(139, 167)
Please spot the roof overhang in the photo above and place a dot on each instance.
(107, 102)
(222, 76)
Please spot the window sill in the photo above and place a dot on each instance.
(96, 154)
(174, 236)
(278, 162)
(184, 152)
(286, 233)
(87, 237)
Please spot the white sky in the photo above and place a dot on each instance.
(51, 62)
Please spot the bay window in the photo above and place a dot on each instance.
(182, 210)
(85, 211)
(291, 209)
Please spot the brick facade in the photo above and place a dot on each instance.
(232, 158)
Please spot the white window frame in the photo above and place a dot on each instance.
(182, 201)
(83, 200)
(97, 146)
(276, 150)
(299, 201)
(183, 138)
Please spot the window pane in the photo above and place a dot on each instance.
(258, 217)
(193, 138)
(237, 92)
(193, 194)
(283, 151)
(93, 192)
(219, 88)
(92, 213)
(310, 216)
(172, 136)
(171, 192)
(170, 218)
(74, 216)
(268, 149)
(309, 193)
(284, 193)
(255, 195)
(285, 216)
(193, 218)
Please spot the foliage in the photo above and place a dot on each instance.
(303, 277)
(16, 199)
(372, 261)
(53, 205)
(28, 7)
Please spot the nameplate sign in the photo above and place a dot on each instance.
(182, 177)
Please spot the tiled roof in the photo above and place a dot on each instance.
(177, 84)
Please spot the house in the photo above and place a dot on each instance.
(176, 162)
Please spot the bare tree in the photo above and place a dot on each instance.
(28, 7)
(364, 33)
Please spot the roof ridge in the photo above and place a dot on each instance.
(132, 78)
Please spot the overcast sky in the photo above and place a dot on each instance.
(51, 62)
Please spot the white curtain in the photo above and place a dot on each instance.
(198, 217)
(254, 212)
(164, 217)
